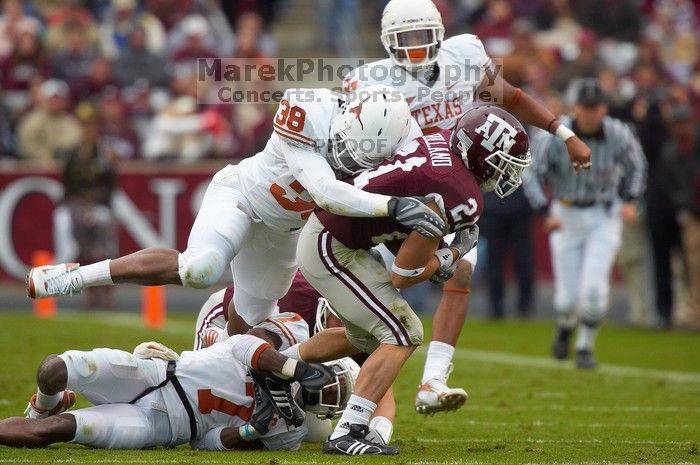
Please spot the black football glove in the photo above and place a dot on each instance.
(313, 376)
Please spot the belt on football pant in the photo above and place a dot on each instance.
(583, 204)
(171, 378)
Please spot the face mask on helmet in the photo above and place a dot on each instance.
(508, 172)
(323, 312)
(504, 173)
(414, 48)
(332, 399)
(343, 154)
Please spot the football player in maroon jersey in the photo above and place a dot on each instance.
(487, 150)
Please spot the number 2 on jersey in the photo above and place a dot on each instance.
(209, 402)
(292, 117)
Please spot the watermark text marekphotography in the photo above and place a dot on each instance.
(261, 81)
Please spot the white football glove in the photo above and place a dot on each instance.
(154, 349)
(464, 241)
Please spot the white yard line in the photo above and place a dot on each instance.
(505, 441)
(532, 361)
(501, 358)
(582, 408)
(198, 460)
(549, 424)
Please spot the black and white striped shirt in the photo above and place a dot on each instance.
(618, 168)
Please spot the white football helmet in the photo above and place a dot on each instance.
(332, 399)
(368, 129)
(412, 32)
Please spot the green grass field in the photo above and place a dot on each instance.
(641, 406)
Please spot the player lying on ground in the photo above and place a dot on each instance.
(217, 319)
(441, 79)
(252, 212)
(156, 398)
(488, 150)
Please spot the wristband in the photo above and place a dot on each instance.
(564, 133)
(406, 273)
(445, 257)
(248, 433)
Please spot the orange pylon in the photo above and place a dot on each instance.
(43, 308)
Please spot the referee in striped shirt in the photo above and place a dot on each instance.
(585, 214)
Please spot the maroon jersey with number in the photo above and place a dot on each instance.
(426, 166)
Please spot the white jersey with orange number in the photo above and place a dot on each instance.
(302, 122)
(217, 384)
(270, 179)
(438, 103)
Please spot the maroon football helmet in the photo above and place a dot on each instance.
(494, 146)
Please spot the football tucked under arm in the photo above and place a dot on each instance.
(416, 260)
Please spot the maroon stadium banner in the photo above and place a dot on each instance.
(155, 205)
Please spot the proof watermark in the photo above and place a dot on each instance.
(264, 81)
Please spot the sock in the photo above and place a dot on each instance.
(47, 401)
(247, 348)
(566, 319)
(383, 426)
(97, 274)
(357, 412)
(292, 352)
(438, 361)
(586, 336)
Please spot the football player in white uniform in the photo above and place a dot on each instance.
(252, 212)
(156, 398)
(301, 307)
(441, 79)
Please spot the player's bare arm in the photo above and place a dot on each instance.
(415, 261)
(530, 111)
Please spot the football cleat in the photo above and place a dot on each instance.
(585, 359)
(279, 392)
(34, 412)
(560, 346)
(434, 396)
(54, 280)
(356, 443)
(375, 438)
(263, 413)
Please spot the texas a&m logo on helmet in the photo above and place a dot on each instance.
(494, 146)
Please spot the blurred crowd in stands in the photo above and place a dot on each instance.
(112, 80)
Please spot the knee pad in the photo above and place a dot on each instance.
(81, 368)
(200, 270)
